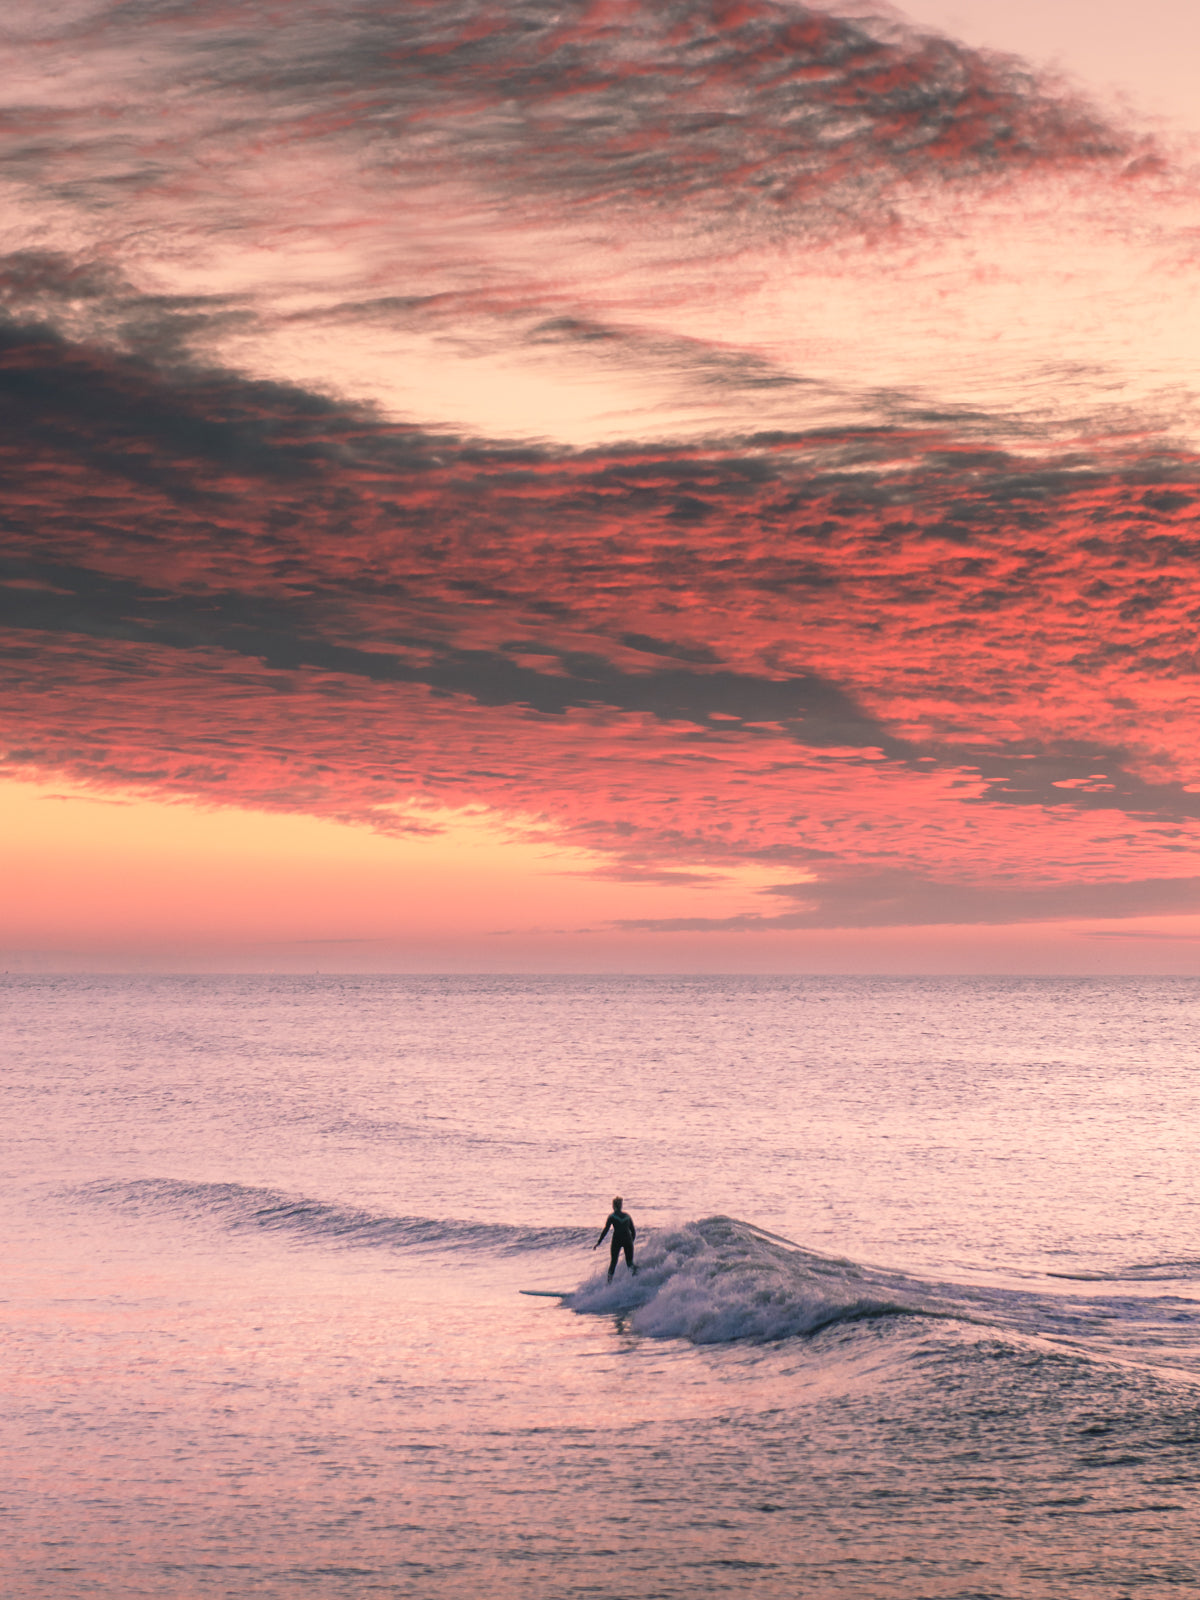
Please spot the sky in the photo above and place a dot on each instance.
(600, 486)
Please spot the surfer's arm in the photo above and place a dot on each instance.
(605, 1229)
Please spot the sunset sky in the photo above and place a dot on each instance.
(595, 485)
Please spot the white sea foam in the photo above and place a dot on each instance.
(718, 1280)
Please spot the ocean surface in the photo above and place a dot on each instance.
(917, 1315)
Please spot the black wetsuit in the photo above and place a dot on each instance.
(623, 1235)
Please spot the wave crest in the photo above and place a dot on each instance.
(718, 1280)
(242, 1208)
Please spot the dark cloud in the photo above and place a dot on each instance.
(74, 601)
(793, 117)
(747, 105)
(903, 899)
(85, 298)
(1086, 777)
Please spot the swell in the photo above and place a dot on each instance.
(1138, 1272)
(716, 1280)
(243, 1208)
(712, 1281)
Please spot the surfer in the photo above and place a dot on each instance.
(623, 1235)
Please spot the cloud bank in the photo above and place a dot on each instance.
(936, 654)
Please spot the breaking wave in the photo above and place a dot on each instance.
(721, 1280)
(718, 1280)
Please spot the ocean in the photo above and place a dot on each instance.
(917, 1314)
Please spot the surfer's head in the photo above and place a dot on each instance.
(616, 1202)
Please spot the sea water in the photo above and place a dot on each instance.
(917, 1315)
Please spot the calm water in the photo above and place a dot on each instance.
(918, 1312)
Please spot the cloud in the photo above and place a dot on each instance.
(750, 106)
(904, 899)
(577, 221)
(884, 587)
(873, 646)
(792, 602)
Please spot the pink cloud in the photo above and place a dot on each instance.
(941, 660)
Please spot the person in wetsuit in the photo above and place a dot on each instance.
(623, 1235)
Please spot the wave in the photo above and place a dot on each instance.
(1138, 1272)
(710, 1282)
(719, 1280)
(242, 1208)
(714, 1281)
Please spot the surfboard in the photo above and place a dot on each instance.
(548, 1294)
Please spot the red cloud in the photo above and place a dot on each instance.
(929, 670)
(875, 647)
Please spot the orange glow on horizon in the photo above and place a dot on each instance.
(122, 882)
(121, 870)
